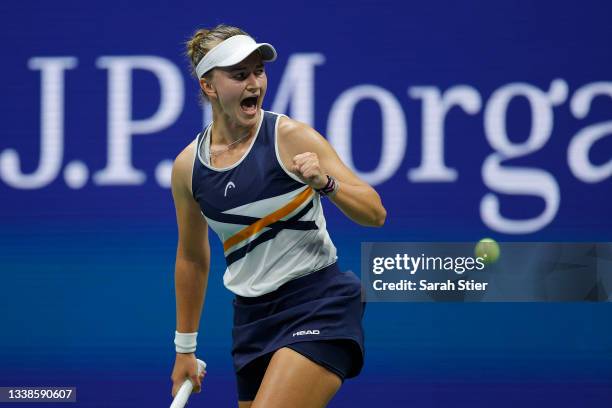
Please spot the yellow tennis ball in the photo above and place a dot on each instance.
(488, 250)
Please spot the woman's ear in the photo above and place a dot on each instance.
(207, 88)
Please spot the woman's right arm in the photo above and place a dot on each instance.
(192, 264)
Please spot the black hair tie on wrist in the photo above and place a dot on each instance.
(329, 188)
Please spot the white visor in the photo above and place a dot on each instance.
(233, 50)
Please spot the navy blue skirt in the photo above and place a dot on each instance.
(324, 305)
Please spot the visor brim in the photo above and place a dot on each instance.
(267, 52)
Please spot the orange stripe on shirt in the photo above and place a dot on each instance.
(268, 219)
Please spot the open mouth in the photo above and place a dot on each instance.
(249, 105)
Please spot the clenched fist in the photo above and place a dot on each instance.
(306, 166)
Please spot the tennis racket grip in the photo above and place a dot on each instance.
(181, 397)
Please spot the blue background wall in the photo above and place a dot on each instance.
(87, 296)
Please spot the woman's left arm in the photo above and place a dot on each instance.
(309, 156)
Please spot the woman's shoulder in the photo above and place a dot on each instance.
(187, 155)
(297, 136)
(183, 164)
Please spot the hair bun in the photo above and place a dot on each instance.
(194, 44)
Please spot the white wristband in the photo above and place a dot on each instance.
(185, 342)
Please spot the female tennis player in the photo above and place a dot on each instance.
(257, 179)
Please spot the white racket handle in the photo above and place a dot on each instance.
(181, 397)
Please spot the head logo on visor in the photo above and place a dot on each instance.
(232, 51)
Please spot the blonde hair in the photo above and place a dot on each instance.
(204, 40)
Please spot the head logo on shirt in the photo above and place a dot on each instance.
(228, 186)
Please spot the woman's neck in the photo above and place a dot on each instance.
(227, 132)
